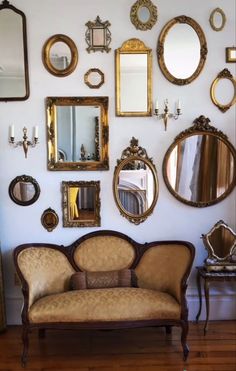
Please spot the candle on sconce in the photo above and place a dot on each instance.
(12, 131)
(178, 104)
(157, 105)
(36, 132)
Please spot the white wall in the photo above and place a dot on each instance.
(170, 219)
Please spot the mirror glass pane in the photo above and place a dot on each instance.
(224, 91)
(136, 187)
(81, 203)
(60, 55)
(133, 82)
(217, 19)
(182, 51)
(12, 64)
(24, 191)
(78, 133)
(94, 78)
(200, 168)
(143, 14)
(222, 240)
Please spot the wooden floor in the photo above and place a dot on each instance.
(145, 349)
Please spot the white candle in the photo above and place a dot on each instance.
(178, 104)
(36, 132)
(12, 133)
(157, 105)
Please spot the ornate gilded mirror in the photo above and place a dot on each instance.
(77, 130)
(143, 14)
(223, 90)
(181, 50)
(60, 55)
(14, 75)
(135, 183)
(133, 79)
(49, 219)
(220, 243)
(24, 190)
(94, 78)
(199, 168)
(81, 204)
(217, 19)
(98, 36)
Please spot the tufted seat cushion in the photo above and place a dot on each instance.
(112, 304)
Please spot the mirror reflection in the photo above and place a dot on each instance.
(143, 14)
(24, 190)
(60, 55)
(14, 84)
(222, 241)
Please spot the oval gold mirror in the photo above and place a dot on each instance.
(60, 55)
(223, 90)
(24, 190)
(135, 184)
(217, 19)
(143, 14)
(181, 50)
(199, 168)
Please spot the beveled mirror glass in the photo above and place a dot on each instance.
(81, 204)
(181, 50)
(24, 190)
(199, 168)
(143, 14)
(133, 79)
(77, 129)
(223, 90)
(60, 55)
(220, 243)
(135, 183)
(217, 19)
(14, 76)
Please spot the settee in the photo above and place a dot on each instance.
(157, 298)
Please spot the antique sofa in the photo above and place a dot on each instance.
(157, 299)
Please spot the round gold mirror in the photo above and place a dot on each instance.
(143, 14)
(135, 184)
(217, 19)
(24, 190)
(60, 55)
(223, 90)
(181, 50)
(199, 168)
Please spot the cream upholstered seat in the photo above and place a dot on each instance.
(114, 304)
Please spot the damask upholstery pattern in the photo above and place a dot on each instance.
(119, 304)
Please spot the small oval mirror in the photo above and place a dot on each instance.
(24, 190)
(60, 55)
(49, 219)
(144, 14)
(217, 19)
(223, 90)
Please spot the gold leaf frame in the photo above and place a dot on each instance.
(46, 55)
(67, 221)
(160, 49)
(224, 74)
(102, 162)
(88, 83)
(98, 25)
(134, 46)
(143, 26)
(228, 56)
(211, 19)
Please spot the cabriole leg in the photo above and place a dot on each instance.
(184, 340)
(25, 339)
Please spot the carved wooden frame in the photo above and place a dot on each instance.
(143, 26)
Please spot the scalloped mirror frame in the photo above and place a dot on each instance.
(134, 17)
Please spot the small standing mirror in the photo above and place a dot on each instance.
(14, 76)
(24, 190)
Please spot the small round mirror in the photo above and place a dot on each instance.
(24, 190)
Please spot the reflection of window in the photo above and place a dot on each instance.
(86, 198)
(132, 198)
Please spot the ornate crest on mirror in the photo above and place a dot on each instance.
(60, 55)
(24, 190)
(217, 19)
(133, 79)
(14, 75)
(199, 168)
(143, 14)
(81, 204)
(77, 130)
(135, 183)
(223, 90)
(181, 50)
(98, 36)
(220, 243)
(49, 219)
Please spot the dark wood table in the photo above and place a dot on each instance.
(208, 277)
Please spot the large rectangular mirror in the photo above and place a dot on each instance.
(77, 129)
(133, 79)
(14, 79)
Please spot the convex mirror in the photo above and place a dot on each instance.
(24, 190)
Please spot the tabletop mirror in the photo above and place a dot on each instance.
(77, 131)
(133, 79)
(199, 168)
(135, 183)
(220, 243)
(181, 50)
(14, 76)
(143, 14)
(60, 55)
(81, 204)
(223, 90)
(24, 190)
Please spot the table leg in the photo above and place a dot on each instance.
(199, 295)
(206, 290)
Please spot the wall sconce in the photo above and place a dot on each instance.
(166, 114)
(25, 143)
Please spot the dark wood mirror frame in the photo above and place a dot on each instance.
(27, 179)
(6, 5)
(49, 219)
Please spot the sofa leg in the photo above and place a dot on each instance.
(25, 339)
(168, 329)
(184, 340)
(41, 333)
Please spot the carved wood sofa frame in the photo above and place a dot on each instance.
(139, 252)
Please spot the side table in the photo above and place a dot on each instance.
(208, 277)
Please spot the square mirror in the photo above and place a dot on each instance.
(98, 36)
